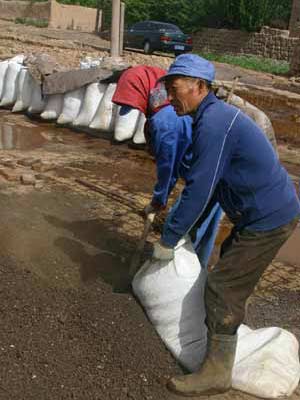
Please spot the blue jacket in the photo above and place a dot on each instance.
(171, 137)
(233, 163)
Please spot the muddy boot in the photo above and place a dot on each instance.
(215, 373)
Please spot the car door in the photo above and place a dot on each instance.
(136, 35)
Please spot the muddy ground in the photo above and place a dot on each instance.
(70, 327)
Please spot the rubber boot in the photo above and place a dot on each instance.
(215, 373)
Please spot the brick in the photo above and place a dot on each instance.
(28, 179)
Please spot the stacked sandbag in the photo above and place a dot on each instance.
(24, 90)
(93, 96)
(3, 69)
(37, 102)
(104, 118)
(9, 90)
(139, 136)
(71, 107)
(172, 294)
(261, 119)
(53, 107)
(126, 123)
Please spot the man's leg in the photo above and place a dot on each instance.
(244, 258)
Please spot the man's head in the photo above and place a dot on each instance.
(188, 82)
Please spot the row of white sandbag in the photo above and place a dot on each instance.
(88, 107)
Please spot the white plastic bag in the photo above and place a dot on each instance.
(104, 118)
(93, 95)
(54, 106)
(126, 122)
(266, 363)
(172, 294)
(24, 90)
(139, 136)
(37, 103)
(9, 91)
(71, 107)
(3, 69)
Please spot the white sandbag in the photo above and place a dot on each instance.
(3, 69)
(19, 59)
(93, 95)
(37, 103)
(24, 90)
(9, 91)
(139, 136)
(104, 118)
(266, 363)
(262, 120)
(126, 122)
(71, 106)
(172, 294)
(54, 106)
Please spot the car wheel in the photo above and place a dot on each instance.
(147, 48)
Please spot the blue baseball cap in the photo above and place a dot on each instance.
(193, 66)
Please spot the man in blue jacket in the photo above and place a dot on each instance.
(234, 164)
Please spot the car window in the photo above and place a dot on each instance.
(168, 28)
(139, 26)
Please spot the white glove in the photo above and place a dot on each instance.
(149, 209)
(162, 252)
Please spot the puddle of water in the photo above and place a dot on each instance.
(290, 250)
(14, 137)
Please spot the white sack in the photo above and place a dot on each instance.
(258, 116)
(19, 59)
(266, 363)
(37, 103)
(71, 107)
(105, 115)
(93, 96)
(54, 106)
(24, 90)
(172, 294)
(3, 69)
(9, 91)
(139, 136)
(126, 122)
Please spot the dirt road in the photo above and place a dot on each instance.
(70, 327)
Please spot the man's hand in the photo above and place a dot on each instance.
(162, 252)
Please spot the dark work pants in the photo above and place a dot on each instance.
(245, 255)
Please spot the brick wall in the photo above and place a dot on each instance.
(270, 43)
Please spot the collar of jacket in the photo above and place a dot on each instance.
(210, 98)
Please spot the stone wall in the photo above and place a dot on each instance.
(58, 15)
(269, 43)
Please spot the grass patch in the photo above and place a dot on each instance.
(40, 23)
(251, 62)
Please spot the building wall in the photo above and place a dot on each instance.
(10, 10)
(270, 43)
(58, 15)
(73, 17)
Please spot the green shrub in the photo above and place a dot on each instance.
(40, 23)
(251, 62)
